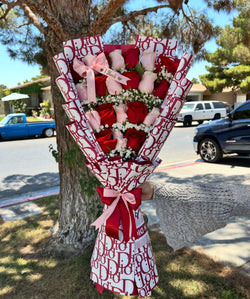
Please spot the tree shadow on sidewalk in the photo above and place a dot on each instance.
(19, 184)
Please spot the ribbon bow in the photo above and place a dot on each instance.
(120, 208)
(99, 64)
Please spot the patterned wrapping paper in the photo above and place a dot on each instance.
(126, 268)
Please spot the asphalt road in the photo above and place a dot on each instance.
(28, 166)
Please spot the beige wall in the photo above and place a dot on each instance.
(221, 96)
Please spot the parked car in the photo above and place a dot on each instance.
(200, 111)
(228, 135)
(16, 126)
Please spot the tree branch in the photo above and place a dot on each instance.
(137, 13)
(33, 19)
(101, 22)
(51, 20)
(127, 17)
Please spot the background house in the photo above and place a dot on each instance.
(35, 91)
(199, 92)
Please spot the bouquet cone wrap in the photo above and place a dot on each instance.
(122, 260)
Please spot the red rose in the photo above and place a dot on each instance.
(107, 114)
(161, 89)
(134, 80)
(135, 139)
(75, 75)
(137, 111)
(105, 140)
(170, 65)
(100, 85)
(131, 57)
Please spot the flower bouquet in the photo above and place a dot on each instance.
(122, 102)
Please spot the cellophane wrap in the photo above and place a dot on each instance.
(123, 266)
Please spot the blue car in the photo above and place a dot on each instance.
(16, 126)
(224, 136)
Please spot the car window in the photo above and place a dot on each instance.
(219, 105)
(242, 112)
(187, 106)
(16, 120)
(199, 107)
(207, 106)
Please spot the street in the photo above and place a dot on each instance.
(28, 166)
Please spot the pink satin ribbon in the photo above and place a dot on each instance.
(99, 64)
(126, 197)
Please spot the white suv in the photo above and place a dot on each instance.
(200, 111)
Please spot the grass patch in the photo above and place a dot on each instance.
(27, 274)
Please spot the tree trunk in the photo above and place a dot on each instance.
(73, 232)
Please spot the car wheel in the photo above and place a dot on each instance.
(217, 116)
(187, 121)
(48, 132)
(210, 151)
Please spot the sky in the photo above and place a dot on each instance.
(13, 72)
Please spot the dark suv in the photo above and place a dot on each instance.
(228, 135)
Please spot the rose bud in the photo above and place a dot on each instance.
(117, 60)
(151, 117)
(94, 119)
(88, 59)
(135, 138)
(121, 143)
(104, 138)
(113, 86)
(121, 114)
(161, 89)
(137, 111)
(131, 57)
(147, 82)
(82, 91)
(148, 60)
(117, 134)
(100, 85)
(134, 81)
(107, 114)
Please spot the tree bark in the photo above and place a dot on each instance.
(73, 233)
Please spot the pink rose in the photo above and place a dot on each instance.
(94, 119)
(121, 143)
(117, 60)
(148, 60)
(113, 86)
(147, 82)
(117, 134)
(121, 114)
(88, 59)
(151, 117)
(82, 91)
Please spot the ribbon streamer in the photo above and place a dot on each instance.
(120, 208)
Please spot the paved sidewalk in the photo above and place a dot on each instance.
(230, 244)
